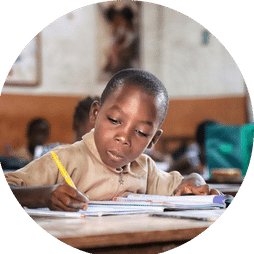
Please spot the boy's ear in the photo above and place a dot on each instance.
(94, 110)
(155, 138)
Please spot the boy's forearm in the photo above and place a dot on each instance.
(32, 197)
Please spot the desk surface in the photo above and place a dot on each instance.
(125, 230)
(230, 189)
(101, 232)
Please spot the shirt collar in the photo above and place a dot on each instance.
(133, 168)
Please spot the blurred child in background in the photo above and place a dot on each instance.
(194, 159)
(82, 124)
(37, 133)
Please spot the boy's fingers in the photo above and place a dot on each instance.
(181, 190)
(78, 206)
(214, 192)
(70, 204)
(81, 197)
(58, 204)
(75, 194)
(178, 193)
(201, 190)
(66, 198)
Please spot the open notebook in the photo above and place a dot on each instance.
(188, 201)
(141, 203)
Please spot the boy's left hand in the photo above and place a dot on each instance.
(194, 184)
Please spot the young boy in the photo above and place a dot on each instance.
(108, 162)
(38, 132)
(194, 159)
(82, 123)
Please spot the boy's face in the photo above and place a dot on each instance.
(126, 124)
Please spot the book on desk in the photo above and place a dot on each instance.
(141, 203)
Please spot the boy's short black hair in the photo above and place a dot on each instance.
(143, 79)
(38, 125)
(82, 110)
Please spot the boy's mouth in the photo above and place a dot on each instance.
(115, 156)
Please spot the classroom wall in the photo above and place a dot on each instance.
(202, 80)
(184, 115)
(181, 120)
(171, 48)
(58, 110)
(175, 53)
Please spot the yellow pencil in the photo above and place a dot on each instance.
(62, 170)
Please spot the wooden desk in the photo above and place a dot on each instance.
(123, 234)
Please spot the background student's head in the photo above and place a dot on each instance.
(82, 123)
(38, 132)
(132, 108)
(201, 137)
(201, 129)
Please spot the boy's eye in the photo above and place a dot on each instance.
(114, 121)
(142, 134)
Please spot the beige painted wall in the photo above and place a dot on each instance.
(171, 49)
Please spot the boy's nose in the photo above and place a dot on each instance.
(124, 138)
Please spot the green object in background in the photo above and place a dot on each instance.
(229, 146)
(226, 148)
(247, 144)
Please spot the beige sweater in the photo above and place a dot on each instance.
(92, 177)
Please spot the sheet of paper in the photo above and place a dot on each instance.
(96, 210)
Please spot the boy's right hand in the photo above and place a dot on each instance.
(65, 198)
